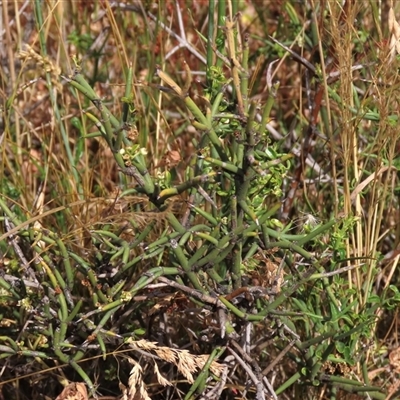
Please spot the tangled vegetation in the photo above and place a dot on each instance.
(199, 200)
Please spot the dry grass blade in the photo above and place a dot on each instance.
(361, 186)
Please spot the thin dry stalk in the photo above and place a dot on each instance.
(343, 32)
